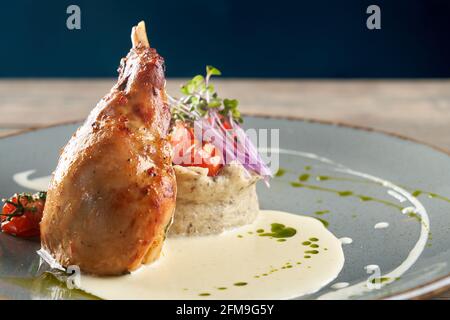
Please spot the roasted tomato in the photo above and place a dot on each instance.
(22, 213)
(189, 152)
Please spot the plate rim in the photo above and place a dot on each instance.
(424, 291)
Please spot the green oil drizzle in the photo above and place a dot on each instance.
(383, 280)
(240, 284)
(304, 177)
(48, 285)
(204, 294)
(345, 193)
(321, 212)
(279, 231)
(280, 172)
(431, 195)
(326, 178)
(222, 288)
(324, 222)
(415, 193)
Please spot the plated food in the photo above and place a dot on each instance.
(145, 166)
(155, 197)
(350, 192)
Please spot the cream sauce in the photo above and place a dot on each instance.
(38, 184)
(346, 240)
(238, 264)
(381, 225)
(393, 190)
(339, 285)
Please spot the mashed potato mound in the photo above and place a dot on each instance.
(210, 205)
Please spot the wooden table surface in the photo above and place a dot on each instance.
(419, 109)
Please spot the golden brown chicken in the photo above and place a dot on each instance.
(112, 195)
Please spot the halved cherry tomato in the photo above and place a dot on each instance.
(22, 213)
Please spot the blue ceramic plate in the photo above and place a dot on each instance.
(388, 196)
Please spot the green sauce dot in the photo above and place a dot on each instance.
(313, 239)
(303, 177)
(239, 236)
(281, 240)
(306, 243)
(279, 231)
(240, 284)
(260, 230)
(312, 251)
(222, 288)
(204, 294)
(324, 222)
(314, 245)
(307, 257)
(416, 193)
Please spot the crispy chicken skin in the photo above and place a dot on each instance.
(112, 195)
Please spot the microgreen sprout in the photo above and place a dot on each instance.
(201, 108)
(199, 98)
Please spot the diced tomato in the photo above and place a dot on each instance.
(181, 134)
(8, 208)
(22, 213)
(188, 151)
(210, 159)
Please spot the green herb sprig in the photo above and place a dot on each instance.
(200, 97)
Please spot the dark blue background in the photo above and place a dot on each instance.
(277, 38)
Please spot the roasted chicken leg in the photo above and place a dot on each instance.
(112, 195)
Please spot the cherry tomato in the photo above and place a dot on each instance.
(22, 213)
